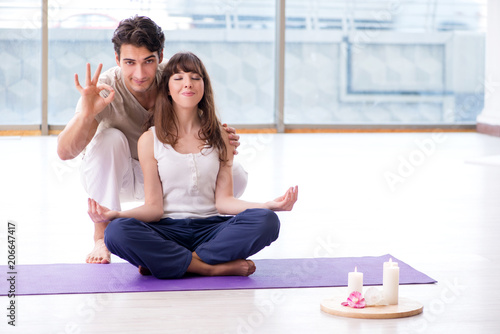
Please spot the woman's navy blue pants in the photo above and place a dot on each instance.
(166, 247)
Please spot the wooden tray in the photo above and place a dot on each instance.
(405, 308)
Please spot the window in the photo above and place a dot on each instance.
(234, 39)
(384, 62)
(366, 62)
(20, 68)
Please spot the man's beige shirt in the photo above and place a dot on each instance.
(125, 113)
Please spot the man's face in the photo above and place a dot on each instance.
(138, 66)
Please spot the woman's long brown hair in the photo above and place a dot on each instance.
(164, 117)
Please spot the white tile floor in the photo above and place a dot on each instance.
(441, 217)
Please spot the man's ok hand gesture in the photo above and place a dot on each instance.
(92, 102)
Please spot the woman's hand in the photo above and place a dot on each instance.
(99, 213)
(285, 202)
(234, 139)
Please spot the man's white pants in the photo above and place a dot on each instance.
(110, 175)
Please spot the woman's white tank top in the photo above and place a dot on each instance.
(188, 180)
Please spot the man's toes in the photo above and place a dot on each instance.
(97, 259)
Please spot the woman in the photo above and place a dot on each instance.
(190, 221)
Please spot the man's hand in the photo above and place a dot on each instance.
(234, 139)
(92, 102)
(82, 127)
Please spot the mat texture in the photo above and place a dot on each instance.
(124, 277)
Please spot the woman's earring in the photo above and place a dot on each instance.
(200, 112)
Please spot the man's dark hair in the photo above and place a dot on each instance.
(139, 31)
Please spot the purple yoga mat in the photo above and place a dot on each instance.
(124, 277)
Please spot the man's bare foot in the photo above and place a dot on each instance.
(100, 253)
(144, 271)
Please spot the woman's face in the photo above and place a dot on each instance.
(186, 90)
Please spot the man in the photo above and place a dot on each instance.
(109, 120)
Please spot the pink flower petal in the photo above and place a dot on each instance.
(355, 300)
(356, 294)
(360, 304)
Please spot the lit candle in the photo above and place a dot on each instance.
(354, 281)
(390, 282)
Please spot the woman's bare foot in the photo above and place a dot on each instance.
(234, 268)
(100, 253)
(238, 267)
(144, 271)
